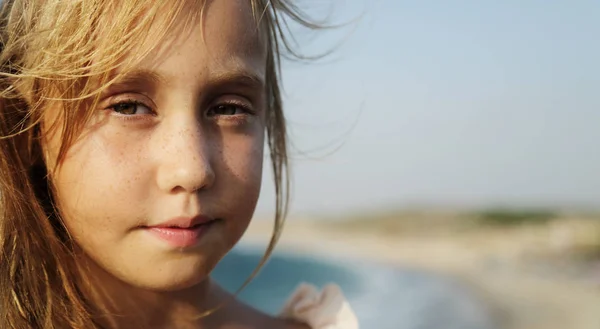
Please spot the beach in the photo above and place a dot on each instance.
(530, 277)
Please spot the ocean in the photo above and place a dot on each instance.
(383, 297)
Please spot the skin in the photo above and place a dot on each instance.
(183, 135)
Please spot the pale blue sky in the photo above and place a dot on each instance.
(462, 103)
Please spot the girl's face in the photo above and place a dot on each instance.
(178, 142)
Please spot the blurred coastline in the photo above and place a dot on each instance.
(535, 269)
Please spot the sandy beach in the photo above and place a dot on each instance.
(529, 276)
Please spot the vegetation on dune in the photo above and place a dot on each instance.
(512, 217)
(579, 233)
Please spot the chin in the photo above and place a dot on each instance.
(179, 283)
(172, 280)
(165, 274)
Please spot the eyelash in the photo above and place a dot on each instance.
(132, 102)
(240, 105)
(130, 117)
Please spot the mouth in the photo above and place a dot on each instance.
(185, 222)
(183, 227)
(183, 234)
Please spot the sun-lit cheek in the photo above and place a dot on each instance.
(101, 162)
(80, 150)
(121, 149)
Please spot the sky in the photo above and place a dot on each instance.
(446, 104)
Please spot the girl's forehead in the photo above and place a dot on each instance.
(224, 32)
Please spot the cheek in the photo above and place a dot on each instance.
(95, 185)
(244, 156)
(240, 175)
(245, 163)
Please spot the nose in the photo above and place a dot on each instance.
(185, 159)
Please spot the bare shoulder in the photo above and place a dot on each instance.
(238, 315)
(294, 325)
(280, 323)
(247, 317)
(318, 308)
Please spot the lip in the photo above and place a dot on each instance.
(184, 222)
(181, 232)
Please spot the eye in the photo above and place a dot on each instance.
(227, 109)
(130, 108)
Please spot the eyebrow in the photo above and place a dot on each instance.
(138, 76)
(243, 78)
(237, 77)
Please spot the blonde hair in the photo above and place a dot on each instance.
(62, 52)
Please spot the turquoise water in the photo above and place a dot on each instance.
(383, 297)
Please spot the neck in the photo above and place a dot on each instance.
(121, 305)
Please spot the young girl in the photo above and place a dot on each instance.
(131, 152)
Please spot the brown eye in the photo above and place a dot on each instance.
(227, 109)
(130, 108)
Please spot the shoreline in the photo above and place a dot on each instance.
(490, 266)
